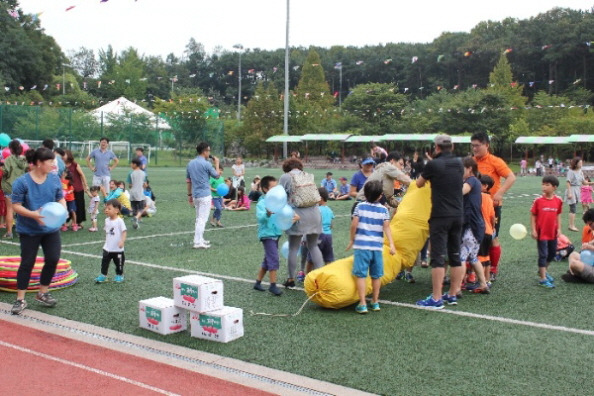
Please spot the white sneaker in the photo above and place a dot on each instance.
(206, 242)
(201, 246)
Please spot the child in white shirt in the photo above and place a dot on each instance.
(115, 237)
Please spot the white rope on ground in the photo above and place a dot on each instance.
(285, 315)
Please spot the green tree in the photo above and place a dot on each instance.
(312, 103)
(262, 118)
(377, 106)
(186, 114)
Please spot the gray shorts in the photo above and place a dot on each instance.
(587, 274)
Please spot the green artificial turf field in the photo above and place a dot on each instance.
(520, 339)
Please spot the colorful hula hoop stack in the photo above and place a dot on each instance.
(65, 276)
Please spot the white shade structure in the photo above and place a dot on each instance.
(122, 107)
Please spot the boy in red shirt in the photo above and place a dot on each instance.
(546, 226)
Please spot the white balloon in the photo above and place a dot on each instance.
(518, 231)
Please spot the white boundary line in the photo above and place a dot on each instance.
(170, 234)
(160, 235)
(87, 368)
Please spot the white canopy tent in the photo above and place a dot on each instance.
(121, 107)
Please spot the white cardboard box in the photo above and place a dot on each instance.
(223, 325)
(198, 293)
(160, 315)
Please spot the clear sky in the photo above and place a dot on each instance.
(157, 27)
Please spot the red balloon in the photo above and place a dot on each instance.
(5, 153)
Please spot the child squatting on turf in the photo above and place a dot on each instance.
(371, 220)
(268, 234)
(115, 237)
(546, 227)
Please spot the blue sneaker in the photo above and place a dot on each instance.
(101, 279)
(400, 275)
(374, 306)
(547, 284)
(550, 278)
(361, 309)
(409, 277)
(429, 302)
(118, 278)
(450, 300)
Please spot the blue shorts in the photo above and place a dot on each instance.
(371, 261)
(71, 206)
(270, 262)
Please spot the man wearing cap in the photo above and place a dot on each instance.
(445, 172)
(496, 168)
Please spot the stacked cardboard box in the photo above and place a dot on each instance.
(203, 298)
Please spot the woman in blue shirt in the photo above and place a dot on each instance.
(29, 193)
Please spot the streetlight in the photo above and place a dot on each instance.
(240, 48)
(286, 102)
(64, 78)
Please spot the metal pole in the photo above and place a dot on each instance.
(340, 89)
(286, 104)
(63, 81)
(239, 91)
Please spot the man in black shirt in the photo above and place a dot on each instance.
(445, 172)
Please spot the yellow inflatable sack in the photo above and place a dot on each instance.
(334, 285)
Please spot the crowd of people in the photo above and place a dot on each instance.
(467, 200)
(33, 178)
(467, 197)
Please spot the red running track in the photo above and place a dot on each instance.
(33, 361)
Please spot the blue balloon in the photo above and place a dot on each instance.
(275, 199)
(285, 250)
(222, 189)
(4, 140)
(284, 218)
(587, 257)
(54, 215)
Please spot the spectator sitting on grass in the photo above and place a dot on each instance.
(578, 270)
(231, 194)
(343, 190)
(255, 190)
(241, 203)
(330, 185)
(116, 192)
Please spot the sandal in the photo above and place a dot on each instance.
(573, 229)
(8, 235)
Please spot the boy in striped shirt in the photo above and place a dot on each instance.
(370, 222)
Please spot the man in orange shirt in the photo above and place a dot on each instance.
(489, 164)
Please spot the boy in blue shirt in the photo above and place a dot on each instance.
(371, 220)
(330, 185)
(268, 234)
(343, 190)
